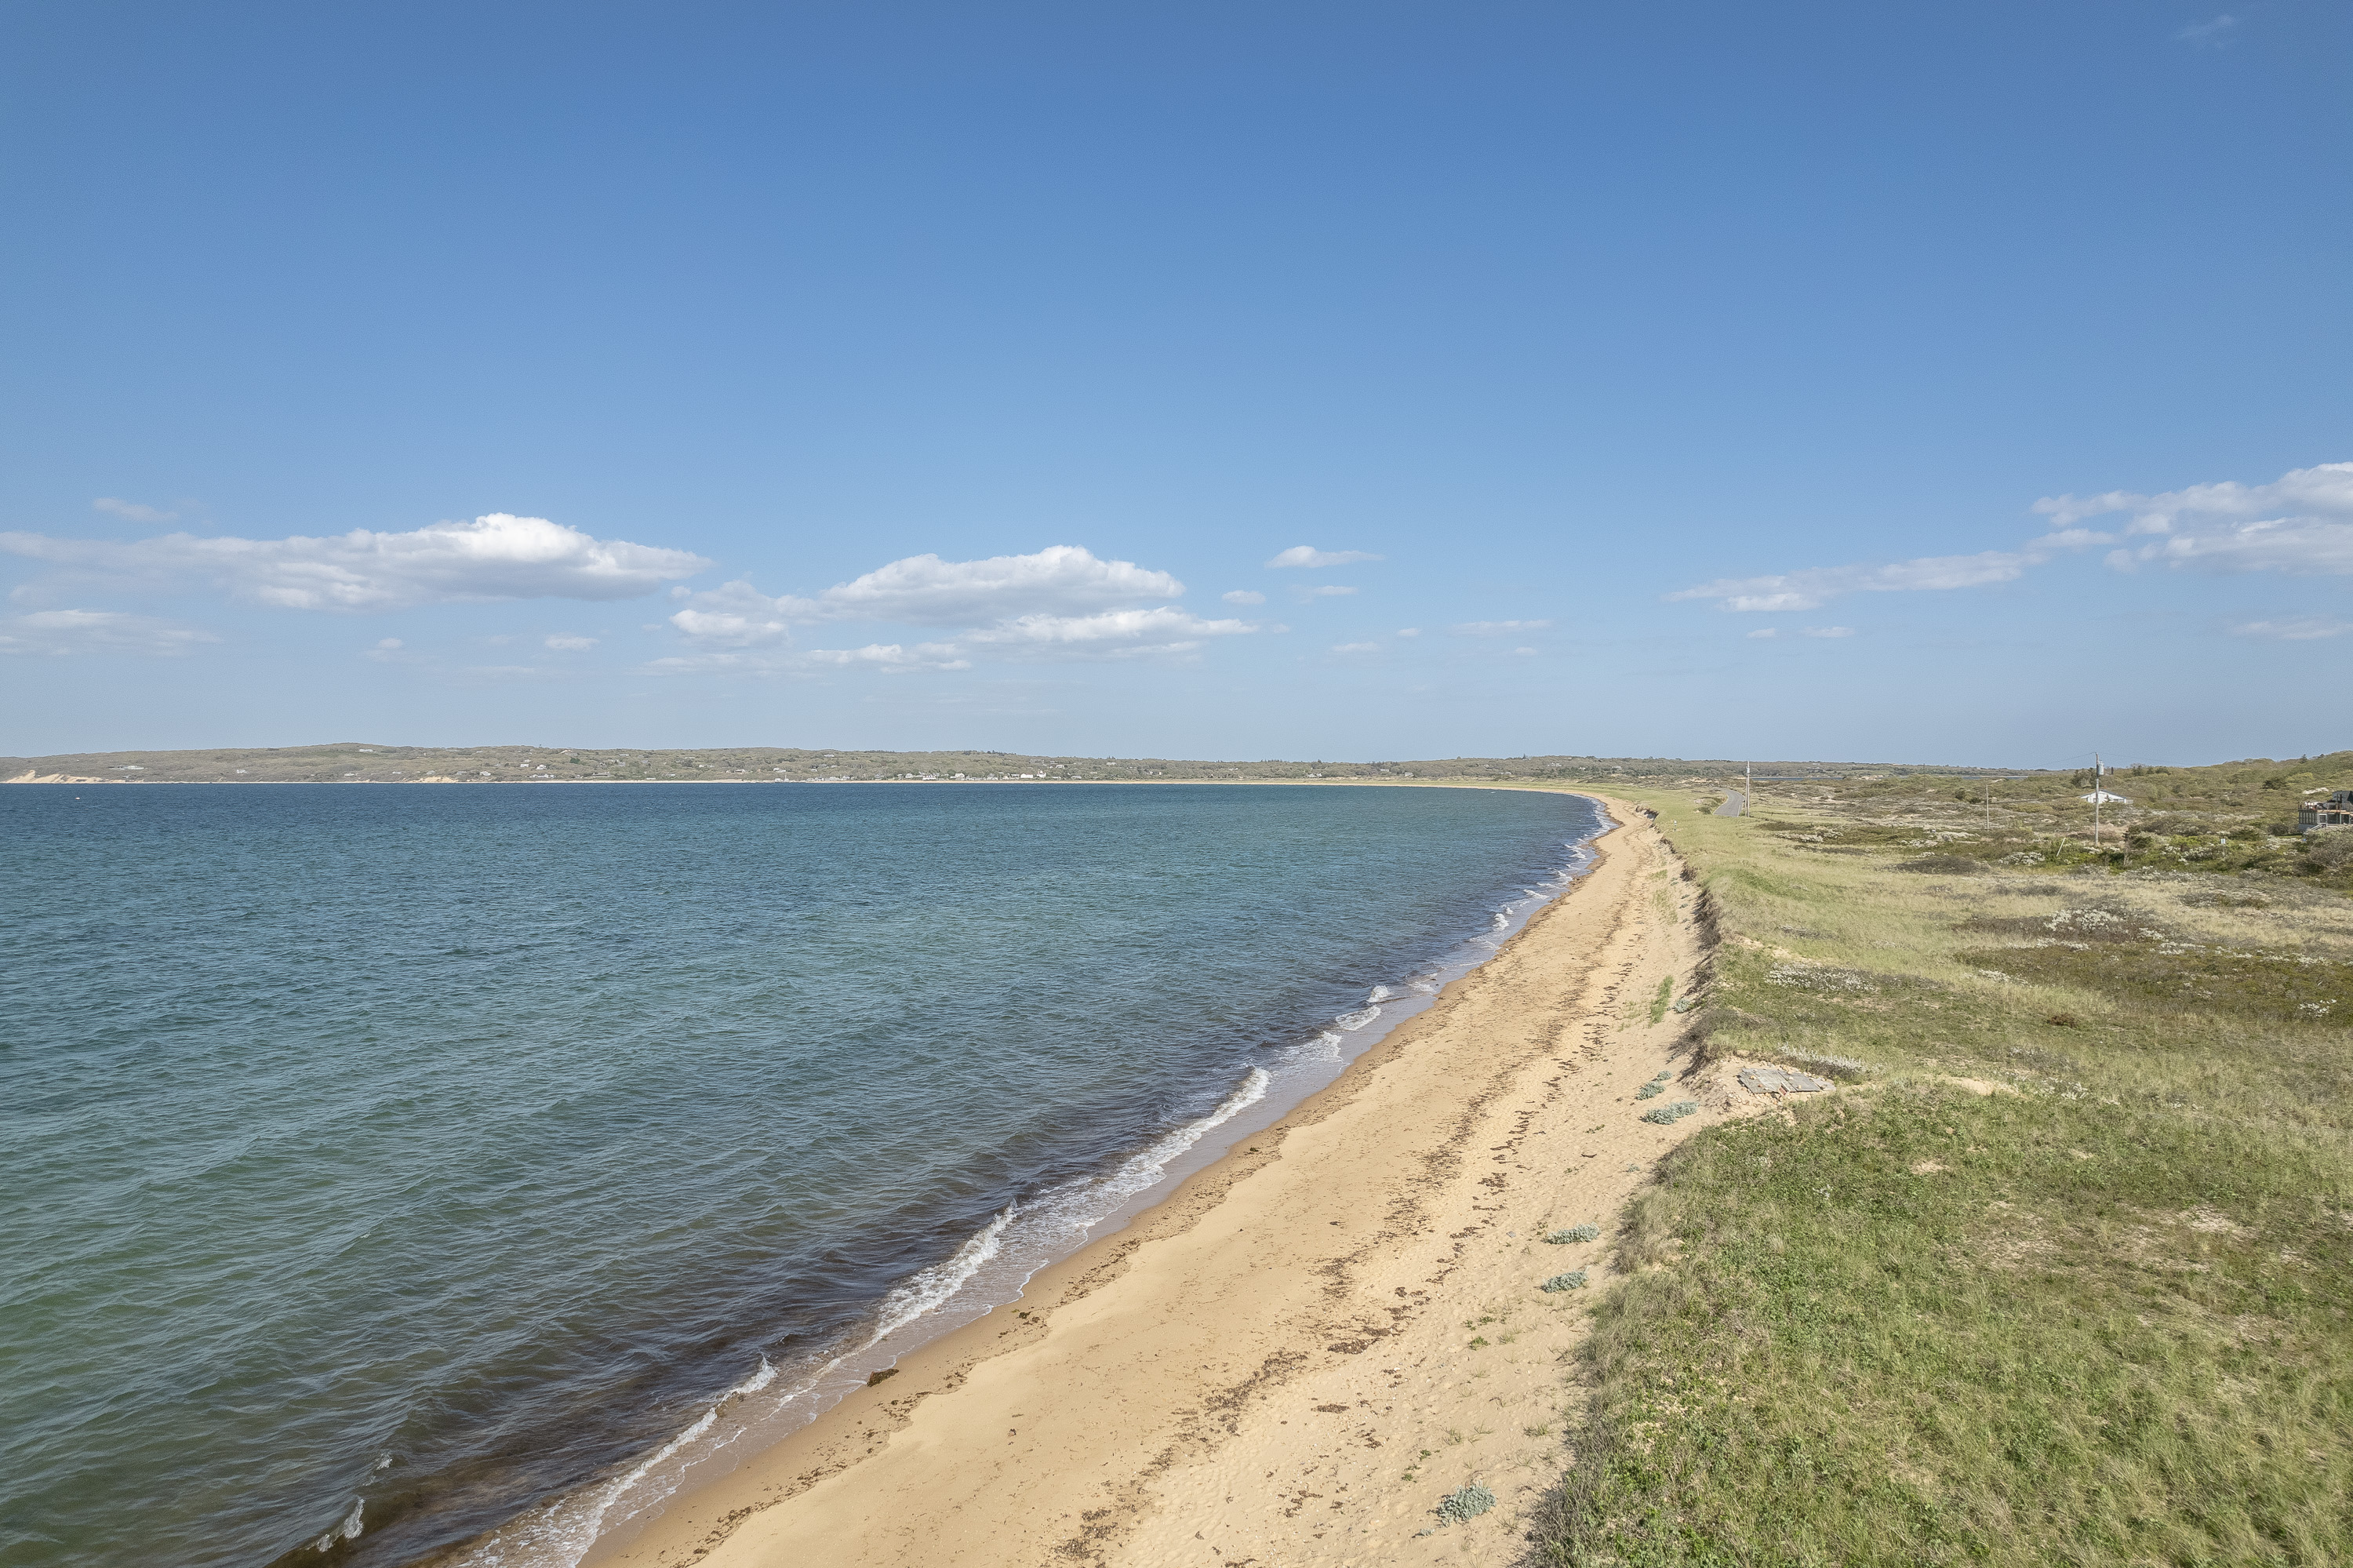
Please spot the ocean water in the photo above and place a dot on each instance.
(396, 1171)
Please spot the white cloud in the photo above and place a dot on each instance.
(735, 615)
(563, 644)
(1116, 633)
(2298, 546)
(893, 660)
(1325, 590)
(1409, 632)
(2325, 489)
(1244, 596)
(1059, 603)
(1498, 627)
(1309, 556)
(2294, 628)
(2208, 32)
(924, 590)
(1765, 631)
(494, 556)
(1817, 586)
(59, 632)
(1356, 648)
(1523, 653)
(1826, 632)
(391, 644)
(2301, 523)
(131, 510)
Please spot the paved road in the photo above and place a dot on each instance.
(1734, 804)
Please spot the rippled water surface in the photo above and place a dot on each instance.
(379, 1163)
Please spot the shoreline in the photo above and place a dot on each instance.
(1102, 1414)
(775, 1401)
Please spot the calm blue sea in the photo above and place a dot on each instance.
(384, 1166)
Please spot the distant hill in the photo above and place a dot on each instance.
(359, 762)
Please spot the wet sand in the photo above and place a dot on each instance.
(1250, 1372)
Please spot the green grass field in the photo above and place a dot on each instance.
(2063, 1272)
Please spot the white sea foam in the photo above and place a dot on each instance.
(1503, 920)
(348, 1531)
(1379, 993)
(1352, 1022)
(1141, 1169)
(932, 1288)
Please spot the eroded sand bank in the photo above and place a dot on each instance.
(1248, 1372)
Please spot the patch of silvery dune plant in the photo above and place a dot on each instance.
(1846, 1066)
(1466, 1504)
(1572, 1281)
(1574, 1234)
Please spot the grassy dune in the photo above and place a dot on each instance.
(2063, 1271)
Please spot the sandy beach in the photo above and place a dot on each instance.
(1313, 1340)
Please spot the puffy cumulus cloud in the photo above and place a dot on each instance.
(2294, 628)
(1063, 602)
(2301, 523)
(59, 632)
(1356, 648)
(1309, 556)
(924, 590)
(563, 644)
(1244, 596)
(495, 557)
(1826, 632)
(734, 615)
(1816, 586)
(1764, 631)
(1498, 627)
(1111, 634)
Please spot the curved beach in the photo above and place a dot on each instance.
(1310, 1341)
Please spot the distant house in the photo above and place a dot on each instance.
(2336, 811)
(2102, 798)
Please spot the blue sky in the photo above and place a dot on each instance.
(1346, 380)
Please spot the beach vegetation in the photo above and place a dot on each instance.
(1468, 1503)
(2064, 1274)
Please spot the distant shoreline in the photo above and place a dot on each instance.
(1121, 783)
